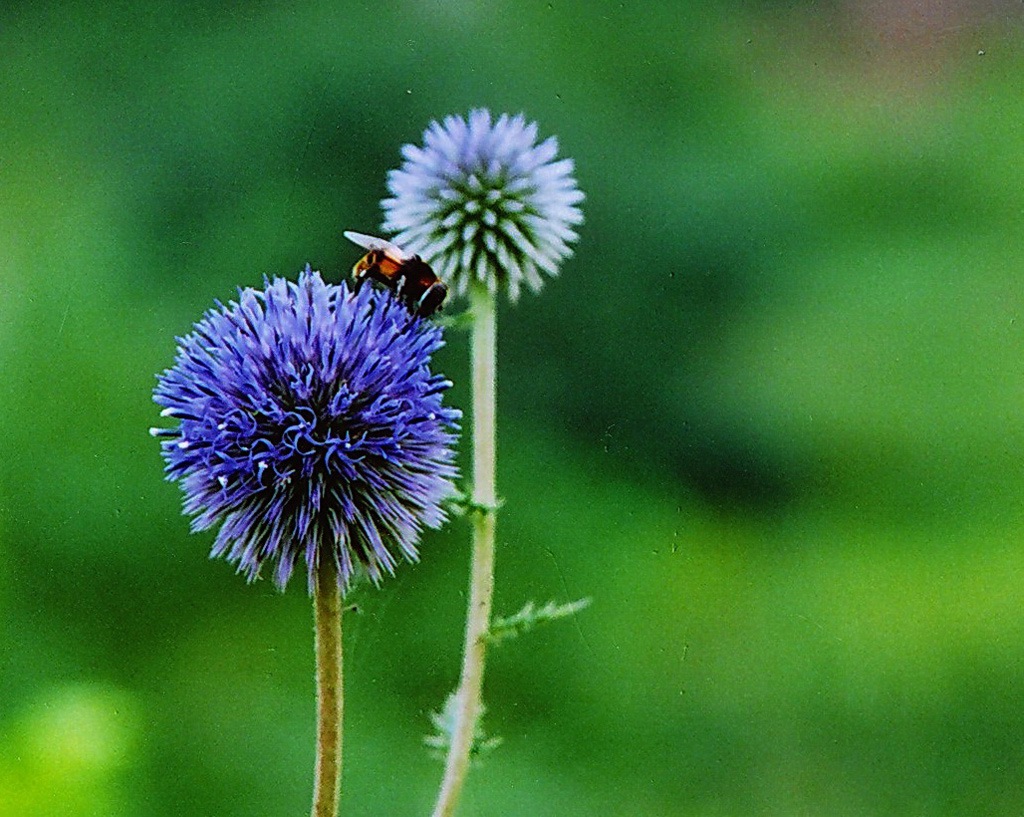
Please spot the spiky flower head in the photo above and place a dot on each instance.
(481, 200)
(310, 428)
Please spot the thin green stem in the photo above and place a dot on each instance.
(481, 584)
(329, 697)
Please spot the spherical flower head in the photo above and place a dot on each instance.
(310, 428)
(482, 201)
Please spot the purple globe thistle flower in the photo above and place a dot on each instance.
(311, 428)
(482, 201)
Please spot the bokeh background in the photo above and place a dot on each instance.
(769, 418)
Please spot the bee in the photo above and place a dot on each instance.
(408, 276)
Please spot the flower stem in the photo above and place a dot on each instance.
(481, 584)
(329, 697)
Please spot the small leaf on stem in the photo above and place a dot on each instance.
(444, 726)
(506, 627)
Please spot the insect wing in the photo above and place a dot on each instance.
(372, 243)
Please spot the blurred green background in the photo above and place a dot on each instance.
(769, 417)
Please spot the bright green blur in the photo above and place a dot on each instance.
(770, 418)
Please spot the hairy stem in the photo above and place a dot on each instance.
(481, 584)
(329, 697)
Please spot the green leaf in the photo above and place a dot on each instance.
(444, 729)
(457, 504)
(530, 616)
(461, 503)
(459, 321)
